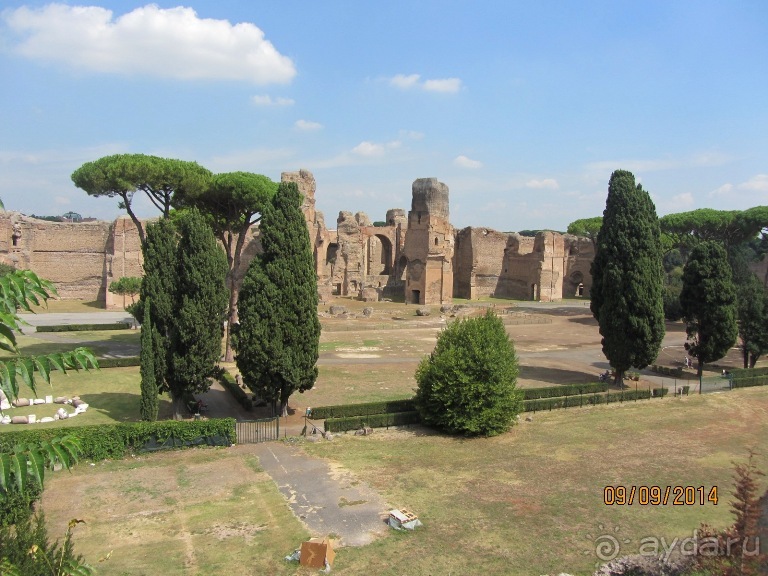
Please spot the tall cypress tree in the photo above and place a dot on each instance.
(158, 290)
(201, 299)
(149, 400)
(709, 305)
(277, 340)
(627, 277)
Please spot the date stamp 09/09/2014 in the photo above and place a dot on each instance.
(659, 495)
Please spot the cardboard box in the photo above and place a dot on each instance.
(315, 552)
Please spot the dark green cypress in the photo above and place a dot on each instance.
(277, 340)
(709, 304)
(627, 277)
(158, 286)
(200, 310)
(149, 392)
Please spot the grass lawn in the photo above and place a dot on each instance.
(113, 395)
(101, 342)
(531, 501)
(526, 502)
(202, 511)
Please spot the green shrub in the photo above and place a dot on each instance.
(372, 421)
(749, 372)
(229, 383)
(748, 382)
(113, 441)
(84, 327)
(119, 362)
(364, 409)
(667, 371)
(565, 390)
(16, 506)
(660, 392)
(468, 384)
(540, 404)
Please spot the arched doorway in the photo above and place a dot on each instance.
(574, 287)
(379, 256)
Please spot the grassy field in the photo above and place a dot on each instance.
(527, 502)
(101, 342)
(205, 511)
(113, 395)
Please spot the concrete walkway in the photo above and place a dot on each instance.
(329, 500)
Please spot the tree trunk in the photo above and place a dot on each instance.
(699, 369)
(284, 408)
(229, 355)
(179, 410)
(619, 380)
(745, 356)
(235, 260)
(136, 222)
(753, 360)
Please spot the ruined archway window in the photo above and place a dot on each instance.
(330, 256)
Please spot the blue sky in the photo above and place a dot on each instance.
(522, 108)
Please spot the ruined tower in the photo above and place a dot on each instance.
(429, 245)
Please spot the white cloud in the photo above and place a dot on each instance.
(150, 40)
(443, 85)
(723, 190)
(307, 125)
(403, 81)
(757, 183)
(266, 100)
(62, 200)
(464, 162)
(371, 149)
(680, 201)
(544, 184)
(406, 82)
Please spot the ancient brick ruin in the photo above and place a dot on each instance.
(418, 257)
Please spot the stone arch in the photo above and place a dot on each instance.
(379, 255)
(574, 286)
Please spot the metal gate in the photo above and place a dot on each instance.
(255, 431)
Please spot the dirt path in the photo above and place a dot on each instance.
(328, 499)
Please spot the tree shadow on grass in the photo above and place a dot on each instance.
(122, 406)
(556, 376)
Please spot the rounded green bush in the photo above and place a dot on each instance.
(468, 384)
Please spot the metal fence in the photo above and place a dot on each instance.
(255, 431)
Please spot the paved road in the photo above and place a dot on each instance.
(55, 318)
(330, 501)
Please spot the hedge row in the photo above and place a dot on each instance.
(119, 362)
(667, 371)
(749, 372)
(84, 327)
(366, 409)
(748, 382)
(586, 400)
(228, 381)
(372, 421)
(114, 441)
(384, 407)
(565, 390)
